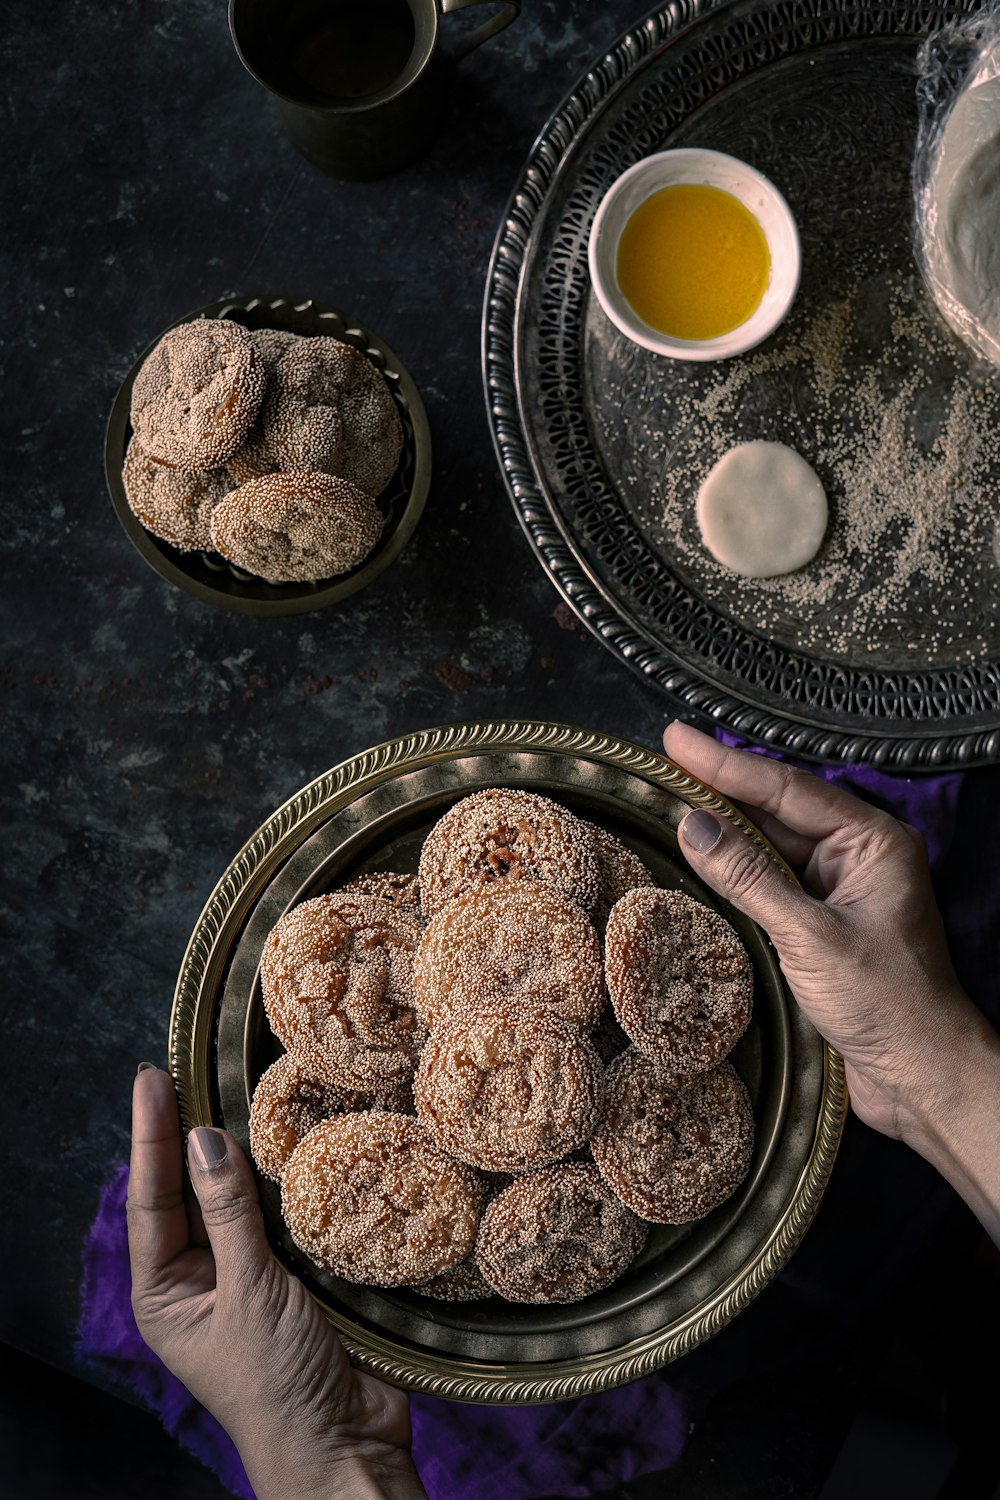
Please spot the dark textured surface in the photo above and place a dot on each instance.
(146, 735)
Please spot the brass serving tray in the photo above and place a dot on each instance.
(373, 812)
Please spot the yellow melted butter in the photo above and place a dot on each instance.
(693, 262)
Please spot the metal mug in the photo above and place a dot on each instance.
(360, 84)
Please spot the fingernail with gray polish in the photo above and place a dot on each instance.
(207, 1148)
(142, 1067)
(701, 830)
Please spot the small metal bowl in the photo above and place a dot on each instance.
(210, 577)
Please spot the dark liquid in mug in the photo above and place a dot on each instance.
(347, 49)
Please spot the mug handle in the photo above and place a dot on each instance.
(502, 19)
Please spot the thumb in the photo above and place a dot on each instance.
(229, 1203)
(750, 878)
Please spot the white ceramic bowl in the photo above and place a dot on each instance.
(686, 166)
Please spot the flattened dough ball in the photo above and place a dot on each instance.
(762, 510)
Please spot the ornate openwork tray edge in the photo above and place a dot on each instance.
(898, 744)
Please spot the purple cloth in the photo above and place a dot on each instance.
(928, 803)
(581, 1448)
(109, 1341)
(462, 1452)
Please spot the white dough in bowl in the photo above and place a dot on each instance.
(962, 218)
(762, 510)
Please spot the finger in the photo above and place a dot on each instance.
(158, 1229)
(795, 848)
(199, 1234)
(803, 803)
(230, 1206)
(747, 875)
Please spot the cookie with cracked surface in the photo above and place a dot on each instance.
(327, 407)
(671, 1146)
(514, 939)
(296, 528)
(507, 1086)
(680, 980)
(557, 1235)
(337, 980)
(503, 833)
(197, 394)
(176, 505)
(289, 1100)
(371, 1198)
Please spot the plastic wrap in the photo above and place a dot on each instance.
(956, 176)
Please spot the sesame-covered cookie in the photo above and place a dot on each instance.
(556, 1236)
(336, 977)
(289, 1101)
(503, 833)
(507, 1086)
(292, 528)
(673, 1147)
(371, 1198)
(680, 980)
(174, 504)
(197, 394)
(515, 939)
(326, 407)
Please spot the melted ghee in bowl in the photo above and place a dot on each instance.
(693, 262)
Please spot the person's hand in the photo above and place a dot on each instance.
(245, 1337)
(862, 946)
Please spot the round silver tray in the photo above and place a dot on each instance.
(821, 96)
(373, 812)
(210, 577)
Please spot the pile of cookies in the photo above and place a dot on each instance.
(265, 447)
(501, 1070)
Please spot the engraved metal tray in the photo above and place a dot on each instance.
(898, 663)
(373, 812)
(210, 577)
